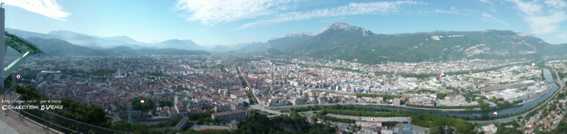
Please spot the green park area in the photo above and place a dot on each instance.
(435, 123)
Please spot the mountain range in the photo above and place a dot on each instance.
(91, 41)
(344, 41)
(337, 41)
(65, 43)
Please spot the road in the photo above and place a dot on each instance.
(246, 85)
(210, 127)
(365, 118)
(264, 109)
(182, 123)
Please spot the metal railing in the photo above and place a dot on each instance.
(65, 124)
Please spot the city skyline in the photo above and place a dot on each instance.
(284, 66)
(242, 21)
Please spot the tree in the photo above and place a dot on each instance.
(260, 124)
(82, 112)
(142, 104)
(483, 105)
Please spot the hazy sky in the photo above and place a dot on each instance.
(214, 22)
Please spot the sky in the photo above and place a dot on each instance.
(228, 22)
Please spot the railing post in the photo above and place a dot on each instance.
(2, 45)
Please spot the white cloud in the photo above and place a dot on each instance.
(451, 11)
(556, 3)
(542, 18)
(48, 8)
(345, 10)
(486, 1)
(561, 36)
(546, 24)
(220, 11)
(529, 8)
(490, 18)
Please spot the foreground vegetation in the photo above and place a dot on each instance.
(71, 109)
(260, 124)
(435, 123)
(561, 129)
(294, 124)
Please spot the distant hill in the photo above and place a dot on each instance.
(344, 41)
(179, 44)
(66, 43)
(81, 39)
(26, 34)
(558, 49)
(337, 41)
(126, 51)
(57, 47)
(124, 39)
(91, 41)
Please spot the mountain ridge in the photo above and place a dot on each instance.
(179, 44)
(96, 42)
(58, 47)
(348, 42)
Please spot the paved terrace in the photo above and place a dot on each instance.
(14, 123)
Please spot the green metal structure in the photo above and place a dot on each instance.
(23, 47)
